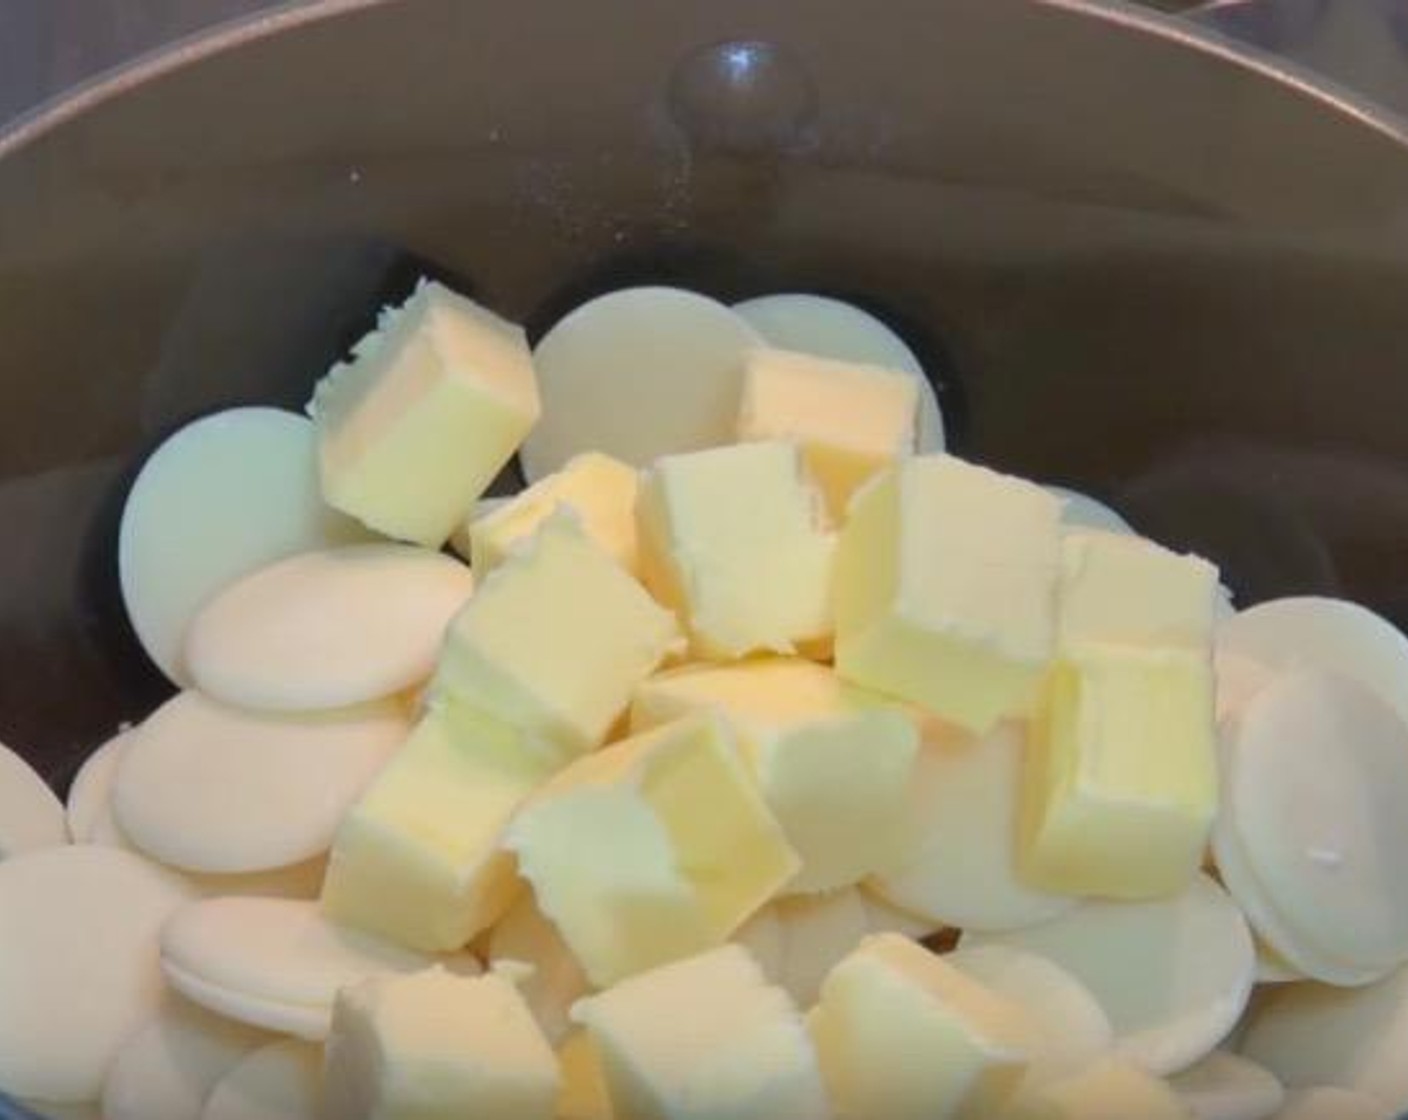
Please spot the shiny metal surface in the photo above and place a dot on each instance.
(1137, 260)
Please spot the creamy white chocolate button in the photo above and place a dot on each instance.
(1355, 1038)
(222, 497)
(1173, 975)
(1316, 789)
(817, 931)
(1311, 632)
(637, 374)
(327, 629)
(1081, 511)
(31, 817)
(958, 863)
(206, 787)
(832, 328)
(281, 1081)
(167, 1069)
(275, 963)
(1073, 1030)
(1226, 1086)
(78, 964)
(557, 980)
(1238, 679)
(90, 795)
(1330, 1103)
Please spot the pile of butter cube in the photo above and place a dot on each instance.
(759, 761)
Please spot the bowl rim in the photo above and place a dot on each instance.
(1122, 16)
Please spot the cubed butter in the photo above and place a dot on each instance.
(418, 422)
(946, 589)
(435, 1046)
(1120, 783)
(902, 1034)
(850, 420)
(705, 1039)
(832, 761)
(554, 640)
(418, 858)
(1108, 1090)
(651, 850)
(601, 490)
(732, 539)
(583, 1094)
(1117, 589)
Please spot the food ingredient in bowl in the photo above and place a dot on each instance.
(281, 1081)
(31, 817)
(1226, 1086)
(90, 795)
(523, 936)
(327, 629)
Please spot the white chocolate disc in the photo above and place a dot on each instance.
(1310, 632)
(220, 498)
(167, 1069)
(90, 796)
(1074, 1029)
(1173, 974)
(327, 629)
(31, 817)
(1329, 1103)
(817, 931)
(1317, 793)
(1313, 1034)
(282, 1081)
(637, 374)
(1226, 1086)
(78, 964)
(959, 863)
(205, 787)
(830, 328)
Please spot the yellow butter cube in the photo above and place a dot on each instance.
(1109, 1090)
(601, 490)
(429, 408)
(832, 761)
(1120, 785)
(732, 540)
(583, 1094)
(554, 640)
(946, 589)
(705, 1039)
(1118, 589)
(904, 1035)
(418, 858)
(435, 1046)
(651, 850)
(850, 420)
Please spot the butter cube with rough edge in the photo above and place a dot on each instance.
(1120, 784)
(436, 1046)
(431, 405)
(1116, 589)
(833, 761)
(651, 850)
(554, 640)
(946, 589)
(601, 490)
(732, 539)
(902, 1034)
(851, 420)
(418, 858)
(705, 1038)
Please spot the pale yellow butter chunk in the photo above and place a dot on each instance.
(435, 1046)
(554, 640)
(601, 490)
(945, 589)
(833, 761)
(1120, 786)
(902, 1034)
(1117, 589)
(850, 420)
(651, 850)
(1108, 1090)
(418, 858)
(732, 539)
(705, 1039)
(418, 422)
